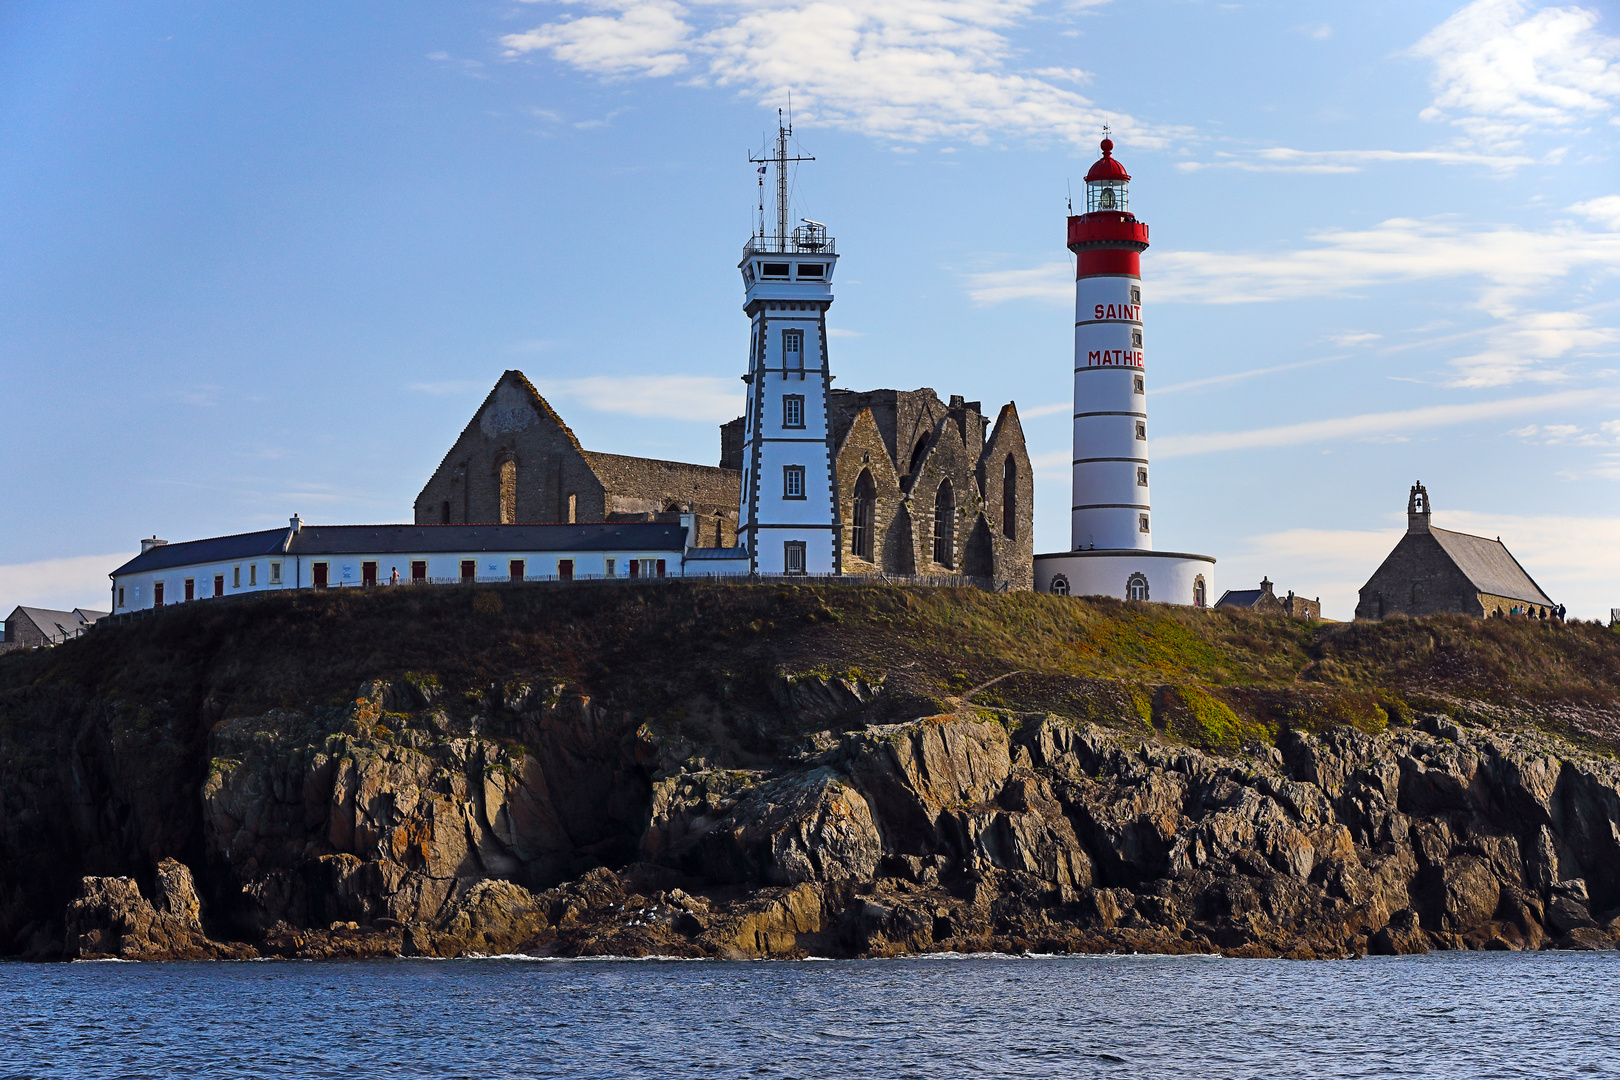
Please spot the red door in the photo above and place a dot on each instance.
(418, 573)
(191, 588)
(514, 569)
(467, 569)
(660, 567)
(157, 594)
(635, 568)
(219, 584)
(368, 573)
(317, 573)
(565, 569)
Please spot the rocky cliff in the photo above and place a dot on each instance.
(731, 771)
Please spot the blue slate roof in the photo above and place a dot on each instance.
(417, 540)
(214, 549)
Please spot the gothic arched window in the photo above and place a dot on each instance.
(1009, 498)
(860, 536)
(508, 492)
(1198, 591)
(945, 525)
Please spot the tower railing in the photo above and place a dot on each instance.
(791, 245)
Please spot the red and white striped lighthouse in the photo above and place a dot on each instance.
(1111, 508)
(1110, 516)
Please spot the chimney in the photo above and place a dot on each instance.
(296, 522)
(151, 542)
(1265, 586)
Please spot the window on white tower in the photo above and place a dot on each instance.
(1141, 477)
(1142, 523)
(1136, 339)
(1141, 385)
(1136, 295)
(793, 410)
(793, 350)
(1141, 430)
(793, 481)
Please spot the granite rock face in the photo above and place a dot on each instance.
(111, 919)
(536, 820)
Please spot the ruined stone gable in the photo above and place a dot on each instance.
(517, 461)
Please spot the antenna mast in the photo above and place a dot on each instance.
(784, 131)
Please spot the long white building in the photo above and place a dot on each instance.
(1111, 516)
(336, 556)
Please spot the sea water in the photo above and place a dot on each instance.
(1452, 1015)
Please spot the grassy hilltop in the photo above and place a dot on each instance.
(1214, 679)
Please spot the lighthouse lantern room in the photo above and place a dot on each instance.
(1111, 516)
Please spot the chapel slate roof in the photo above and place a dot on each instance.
(414, 540)
(1242, 598)
(1489, 566)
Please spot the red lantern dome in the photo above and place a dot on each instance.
(1107, 168)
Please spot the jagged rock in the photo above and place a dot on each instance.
(769, 924)
(812, 826)
(491, 918)
(111, 918)
(816, 698)
(1461, 893)
(1402, 937)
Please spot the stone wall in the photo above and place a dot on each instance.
(909, 443)
(638, 489)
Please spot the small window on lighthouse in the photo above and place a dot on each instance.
(1136, 295)
(1141, 385)
(1141, 478)
(1141, 430)
(793, 410)
(1136, 339)
(1142, 523)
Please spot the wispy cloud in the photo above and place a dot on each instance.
(1284, 159)
(1046, 410)
(900, 70)
(692, 397)
(443, 389)
(1505, 68)
(1508, 262)
(1375, 424)
(1605, 210)
(1240, 376)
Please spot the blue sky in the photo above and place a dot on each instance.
(258, 259)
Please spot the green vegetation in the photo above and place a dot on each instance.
(692, 653)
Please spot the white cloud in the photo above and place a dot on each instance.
(694, 397)
(1503, 69)
(1604, 210)
(1517, 348)
(1373, 424)
(63, 584)
(640, 37)
(1046, 410)
(899, 70)
(1284, 159)
(1353, 337)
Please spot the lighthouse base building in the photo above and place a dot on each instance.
(1111, 517)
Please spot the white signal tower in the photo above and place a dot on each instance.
(788, 517)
